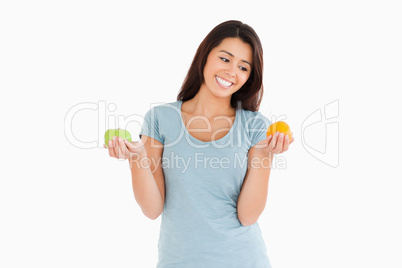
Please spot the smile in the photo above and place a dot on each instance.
(222, 82)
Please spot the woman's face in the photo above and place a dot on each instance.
(228, 67)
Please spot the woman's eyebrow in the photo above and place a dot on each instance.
(233, 56)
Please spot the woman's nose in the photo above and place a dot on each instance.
(230, 73)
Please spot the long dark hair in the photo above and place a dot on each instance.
(249, 96)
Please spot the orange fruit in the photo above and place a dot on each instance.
(281, 127)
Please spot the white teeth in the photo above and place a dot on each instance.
(223, 82)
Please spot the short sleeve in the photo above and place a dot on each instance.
(150, 126)
(258, 125)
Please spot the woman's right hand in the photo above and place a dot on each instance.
(123, 149)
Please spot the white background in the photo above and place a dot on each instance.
(65, 206)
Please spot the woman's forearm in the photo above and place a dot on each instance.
(254, 193)
(145, 188)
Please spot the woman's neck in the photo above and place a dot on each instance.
(204, 103)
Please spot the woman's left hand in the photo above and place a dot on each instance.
(276, 144)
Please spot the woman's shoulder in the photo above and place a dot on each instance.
(163, 106)
(164, 109)
(255, 118)
(255, 125)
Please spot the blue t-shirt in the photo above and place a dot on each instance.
(199, 226)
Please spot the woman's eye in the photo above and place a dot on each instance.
(243, 68)
(224, 59)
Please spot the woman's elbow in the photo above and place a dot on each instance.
(152, 215)
(247, 221)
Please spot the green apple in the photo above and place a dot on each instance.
(110, 133)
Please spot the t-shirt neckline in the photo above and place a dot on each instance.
(223, 139)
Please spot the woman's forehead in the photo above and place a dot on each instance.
(236, 48)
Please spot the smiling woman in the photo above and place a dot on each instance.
(186, 166)
(249, 60)
(227, 70)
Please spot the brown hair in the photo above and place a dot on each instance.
(249, 96)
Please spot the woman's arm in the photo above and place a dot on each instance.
(147, 178)
(254, 192)
(146, 172)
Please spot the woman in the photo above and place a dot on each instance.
(204, 160)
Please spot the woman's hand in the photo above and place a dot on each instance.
(274, 144)
(123, 149)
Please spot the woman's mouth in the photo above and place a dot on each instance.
(223, 83)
